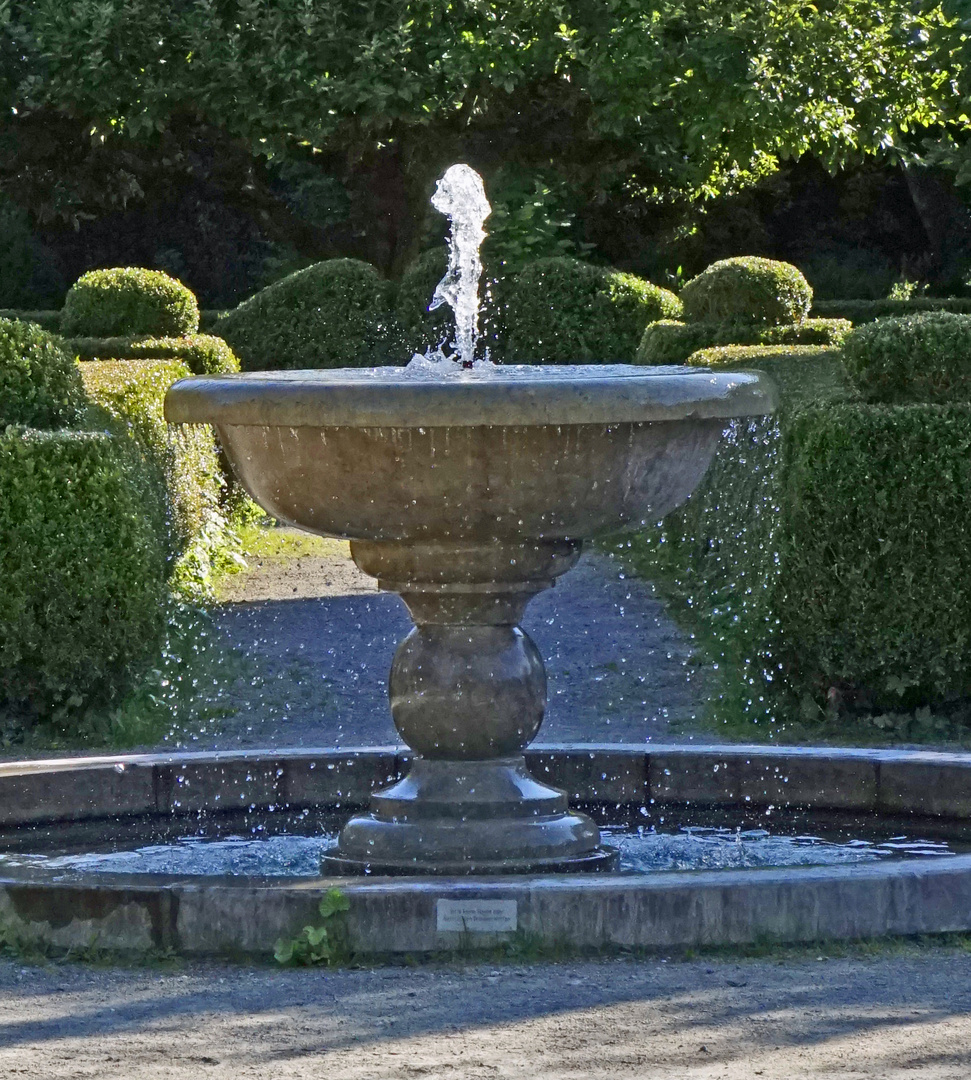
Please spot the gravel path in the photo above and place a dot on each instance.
(322, 638)
(877, 1019)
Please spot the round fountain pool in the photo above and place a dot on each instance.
(222, 850)
(218, 853)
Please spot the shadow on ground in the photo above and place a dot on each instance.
(887, 1018)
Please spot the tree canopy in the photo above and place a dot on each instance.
(667, 99)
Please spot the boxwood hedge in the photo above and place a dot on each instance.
(924, 357)
(336, 313)
(748, 289)
(81, 608)
(47, 320)
(203, 354)
(806, 374)
(874, 595)
(39, 381)
(127, 300)
(861, 311)
(129, 395)
(562, 310)
(670, 342)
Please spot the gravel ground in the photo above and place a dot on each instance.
(322, 637)
(875, 1019)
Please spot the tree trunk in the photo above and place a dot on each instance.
(945, 219)
(390, 206)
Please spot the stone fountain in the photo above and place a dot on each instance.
(467, 492)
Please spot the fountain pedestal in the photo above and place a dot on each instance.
(467, 496)
(468, 692)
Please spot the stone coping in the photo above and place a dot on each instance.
(919, 782)
(220, 916)
(216, 916)
(385, 397)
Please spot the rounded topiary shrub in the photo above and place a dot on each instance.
(336, 313)
(81, 608)
(748, 289)
(127, 300)
(39, 381)
(563, 310)
(919, 358)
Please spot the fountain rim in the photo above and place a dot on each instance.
(245, 916)
(383, 397)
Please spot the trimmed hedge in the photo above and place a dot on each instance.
(717, 554)
(48, 320)
(861, 311)
(336, 313)
(669, 342)
(748, 289)
(126, 301)
(805, 375)
(875, 591)
(203, 354)
(562, 310)
(81, 608)
(130, 396)
(918, 358)
(39, 381)
(828, 566)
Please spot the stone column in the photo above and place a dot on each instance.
(468, 692)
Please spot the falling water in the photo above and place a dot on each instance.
(461, 197)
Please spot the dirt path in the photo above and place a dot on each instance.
(882, 1019)
(323, 638)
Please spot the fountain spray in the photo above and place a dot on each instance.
(462, 198)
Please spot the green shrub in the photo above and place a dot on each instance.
(208, 317)
(126, 301)
(716, 557)
(130, 395)
(47, 320)
(875, 595)
(202, 354)
(668, 342)
(562, 311)
(861, 311)
(81, 608)
(39, 381)
(918, 358)
(805, 375)
(332, 314)
(747, 289)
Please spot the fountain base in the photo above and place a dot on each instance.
(469, 817)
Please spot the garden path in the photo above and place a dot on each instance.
(882, 1018)
(321, 638)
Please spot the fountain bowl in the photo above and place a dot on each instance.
(468, 493)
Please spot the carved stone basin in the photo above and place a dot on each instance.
(467, 496)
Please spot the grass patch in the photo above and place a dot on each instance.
(264, 542)
(280, 542)
(521, 948)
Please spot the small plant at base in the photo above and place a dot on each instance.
(313, 945)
